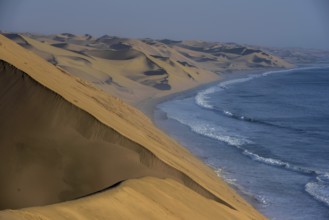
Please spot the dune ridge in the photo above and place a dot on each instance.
(100, 119)
(146, 198)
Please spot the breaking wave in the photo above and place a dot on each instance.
(210, 130)
(202, 97)
(319, 189)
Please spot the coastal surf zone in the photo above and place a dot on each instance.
(271, 127)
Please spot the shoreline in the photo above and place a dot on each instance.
(149, 109)
(252, 199)
(149, 106)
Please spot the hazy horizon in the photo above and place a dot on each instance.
(279, 23)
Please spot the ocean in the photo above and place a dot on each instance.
(266, 134)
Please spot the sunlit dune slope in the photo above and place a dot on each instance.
(147, 198)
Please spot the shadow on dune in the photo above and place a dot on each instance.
(51, 151)
(114, 54)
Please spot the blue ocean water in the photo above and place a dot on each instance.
(265, 134)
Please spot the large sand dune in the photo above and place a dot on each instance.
(47, 138)
(62, 139)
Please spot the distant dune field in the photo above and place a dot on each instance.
(140, 70)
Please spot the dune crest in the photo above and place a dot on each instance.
(54, 122)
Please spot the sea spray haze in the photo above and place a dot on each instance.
(266, 134)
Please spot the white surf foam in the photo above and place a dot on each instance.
(260, 199)
(280, 163)
(318, 190)
(202, 98)
(294, 69)
(212, 131)
(204, 127)
(265, 160)
(225, 84)
(228, 113)
(323, 177)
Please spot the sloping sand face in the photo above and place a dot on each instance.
(51, 151)
(146, 198)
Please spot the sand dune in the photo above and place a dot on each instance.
(228, 57)
(47, 138)
(62, 138)
(146, 198)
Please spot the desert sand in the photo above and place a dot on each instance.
(71, 149)
(140, 70)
